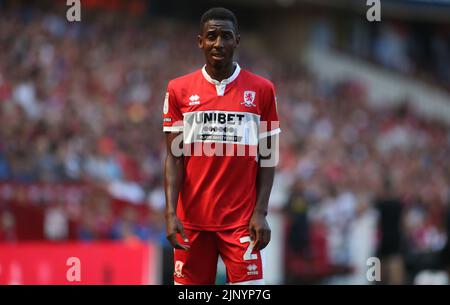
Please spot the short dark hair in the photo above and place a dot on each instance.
(218, 13)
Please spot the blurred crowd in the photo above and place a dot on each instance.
(419, 49)
(82, 102)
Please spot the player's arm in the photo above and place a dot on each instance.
(259, 228)
(268, 159)
(173, 177)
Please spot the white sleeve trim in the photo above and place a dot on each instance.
(269, 133)
(173, 128)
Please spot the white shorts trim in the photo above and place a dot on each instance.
(252, 282)
(176, 283)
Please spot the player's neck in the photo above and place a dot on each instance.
(222, 72)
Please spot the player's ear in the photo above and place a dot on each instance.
(238, 40)
(200, 41)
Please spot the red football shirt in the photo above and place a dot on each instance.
(221, 124)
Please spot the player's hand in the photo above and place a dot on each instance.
(174, 227)
(259, 231)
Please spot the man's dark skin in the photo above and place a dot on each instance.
(218, 40)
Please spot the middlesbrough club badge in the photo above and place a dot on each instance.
(179, 269)
(249, 99)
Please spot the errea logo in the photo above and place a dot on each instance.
(194, 100)
(252, 269)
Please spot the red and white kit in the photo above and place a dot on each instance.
(221, 123)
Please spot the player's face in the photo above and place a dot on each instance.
(218, 41)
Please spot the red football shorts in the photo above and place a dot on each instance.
(198, 265)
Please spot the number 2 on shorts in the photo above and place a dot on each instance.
(248, 255)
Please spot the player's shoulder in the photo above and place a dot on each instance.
(183, 80)
(257, 80)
